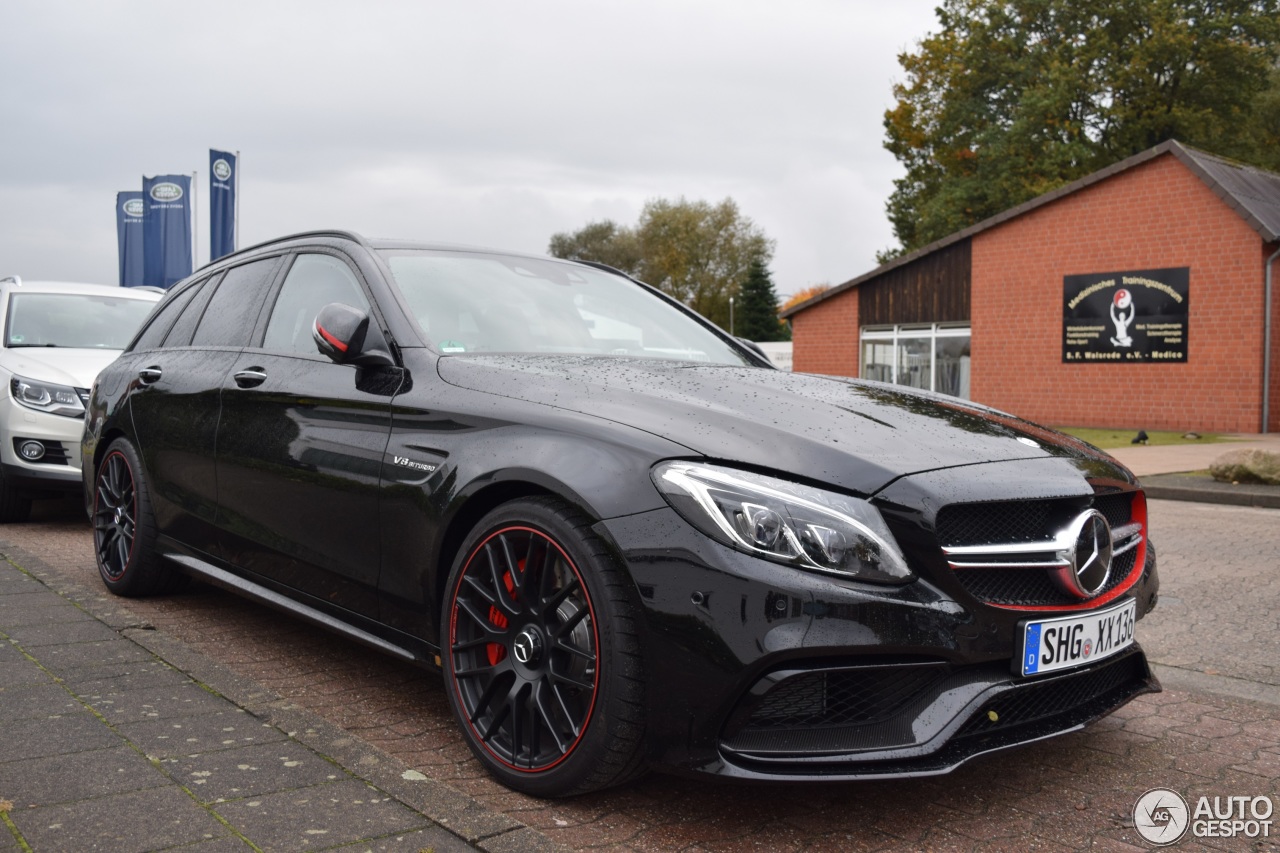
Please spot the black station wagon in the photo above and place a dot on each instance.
(625, 538)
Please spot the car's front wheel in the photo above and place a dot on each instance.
(124, 528)
(541, 655)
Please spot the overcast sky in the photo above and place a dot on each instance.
(491, 123)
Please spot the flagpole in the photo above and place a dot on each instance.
(195, 225)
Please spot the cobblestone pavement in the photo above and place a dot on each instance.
(1215, 731)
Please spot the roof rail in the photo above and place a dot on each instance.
(345, 235)
(16, 279)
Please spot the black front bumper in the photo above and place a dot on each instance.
(960, 714)
(759, 671)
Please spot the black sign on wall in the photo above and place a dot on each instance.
(1126, 317)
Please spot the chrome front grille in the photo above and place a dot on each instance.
(1051, 554)
(1018, 553)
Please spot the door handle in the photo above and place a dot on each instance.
(150, 375)
(250, 377)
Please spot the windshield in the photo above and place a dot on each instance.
(473, 302)
(82, 321)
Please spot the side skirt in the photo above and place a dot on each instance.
(256, 592)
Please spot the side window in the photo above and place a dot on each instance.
(233, 308)
(153, 335)
(180, 334)
(313, 282)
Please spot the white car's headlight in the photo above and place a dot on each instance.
(47, 397)
(785, 522)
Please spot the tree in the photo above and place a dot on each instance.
(757, 308)
(1264, 131)
(605, 242)
(804, 295)
(694, 251)
(1014, 98)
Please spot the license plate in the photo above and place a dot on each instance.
(1049, 645)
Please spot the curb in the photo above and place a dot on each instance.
(1186, 487)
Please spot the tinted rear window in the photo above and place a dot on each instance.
(233, 310)
(153, 335)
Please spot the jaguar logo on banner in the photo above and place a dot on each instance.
(1126, 317)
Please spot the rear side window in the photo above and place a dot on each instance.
(313, 282)
(180, 334)
(229, 319)
(153, 335)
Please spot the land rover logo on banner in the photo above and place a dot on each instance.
(134, 208)
(221, 169)
(166, 192)
(1126, 317)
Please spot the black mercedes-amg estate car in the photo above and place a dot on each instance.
(625, 538)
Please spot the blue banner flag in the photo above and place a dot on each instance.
(129, 212)
(166, 229)
(223, 181)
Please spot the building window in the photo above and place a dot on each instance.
(935, 357)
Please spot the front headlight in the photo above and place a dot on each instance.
(785, 522)
(47, 397)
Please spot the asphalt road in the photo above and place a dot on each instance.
(1215, 731)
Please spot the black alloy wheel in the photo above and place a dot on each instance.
(534, 640)
(115, 512)
(124, 529)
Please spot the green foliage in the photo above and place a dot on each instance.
(1262, 135)
(605, 242)
(1013, 99)
(694, 251)
(757, 308)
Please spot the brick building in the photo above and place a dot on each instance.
(1136, 297)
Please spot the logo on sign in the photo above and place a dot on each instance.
(166, 192)
(134, 207)
(221, 169)
(1121, 303)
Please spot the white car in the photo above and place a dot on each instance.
(56, 338)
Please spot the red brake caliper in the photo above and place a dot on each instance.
(496, 651)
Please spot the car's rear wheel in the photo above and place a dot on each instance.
(541, 654)
(124, 529)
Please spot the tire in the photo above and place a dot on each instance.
(15, 504)
(541, 653)
(124, 528)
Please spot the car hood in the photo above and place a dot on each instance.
(857, 435)
(75, 367)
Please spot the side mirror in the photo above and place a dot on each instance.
(346, 336)
(755, 348)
